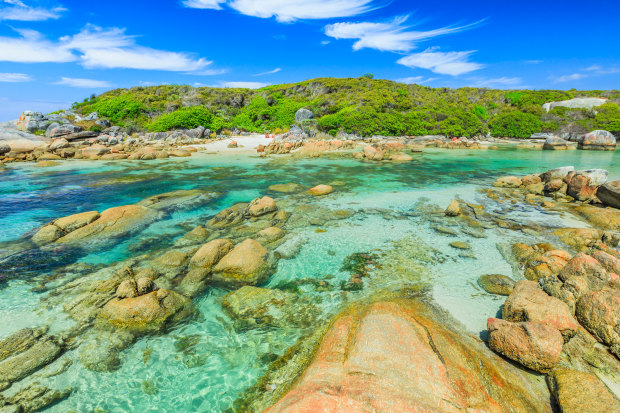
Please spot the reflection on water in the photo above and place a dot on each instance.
(206, 363)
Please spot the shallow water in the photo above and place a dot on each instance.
(206, 363)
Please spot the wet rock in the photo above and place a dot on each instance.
(196, 236)
(600, 140)
(528, 302)
(146, 313)
(445, 230)
(603, 218)
(555, 143)
(211, 253)
(229, 216)
(373, 357)
(400, 157)
(582, 274)
(194, 282)
(172, 263)
(43, 352)
(533, 345)
(496, 284)
(557, 173)
(178, 200)
(609, 194)
(579, 238)
(127, 289)
(290, 248)
(113, 223)
(454, 209)
(269, 235)
(555, 185)
(289, 188)
(35, 398)
(536, 189)
(531, 180)
(246, 264)
(180, 153)
(20, 341)
(608, 261)
(95, 150)
(320, 190)
(508, 182)
(599, 312)
(373, 153)
(576, 392)
(47, 235)
(262, 206)
(460, 245)
(76, 221)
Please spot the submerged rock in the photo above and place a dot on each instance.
(401, 356)
(289, 188)
(533, 345)
(211, 253)
(175, 200)
(576, 392)
(35, 398)
(246, 264)
(496, 284)
(24, 363)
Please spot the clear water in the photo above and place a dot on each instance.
(391, 201)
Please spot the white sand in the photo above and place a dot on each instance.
(246, 144)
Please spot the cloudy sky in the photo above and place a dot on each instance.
(53, 52)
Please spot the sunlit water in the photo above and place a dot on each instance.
(205, 364)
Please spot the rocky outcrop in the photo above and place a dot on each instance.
(556, 143)
(262, 206)
(507, 182)
(599, 312)
(583, 185)
(496, 284)
(609, 194)
(372, 153)
(303, 114)
(603, 218)
(246, 264)
(147, 313)
(528, 302)
(211, 253)
(587, 103)
(597, 140)
(402, 356)
(577, 392)
(534, 345)
(25, 352)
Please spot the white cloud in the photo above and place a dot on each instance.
(86, 83)
(288, 10)
(497, 83)
(31, 47)
(210, 72)
(391, 36)
(569, 78)
(245, 85)
(533, 62)
(271, 72)
(19, 11)
(14, 77)
(95, 47)
(419, 80)
(203, 4)
(445, 63)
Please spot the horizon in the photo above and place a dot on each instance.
(54, 53)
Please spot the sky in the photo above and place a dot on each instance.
(55, 52)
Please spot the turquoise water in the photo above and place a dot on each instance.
(204, 364)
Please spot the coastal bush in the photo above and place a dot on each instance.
(515, 125)
(608, 118)
(183, 118)
(118, 108)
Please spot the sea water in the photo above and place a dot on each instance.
(204, 364)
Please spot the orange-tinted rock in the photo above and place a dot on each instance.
(244, 265)
(603, 218)
(528, 302)
(546, 265)
(582, 274)
(262, 206)
(533, 345)
(321, 190)
(400, 356)
(508, 182)
(599, 312)
(211, 253)
(373, 153)
(531, 180)
(608, 261)
(578, 392)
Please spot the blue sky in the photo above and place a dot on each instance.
(53, 53)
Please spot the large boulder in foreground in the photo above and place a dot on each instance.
(246, 264)
(609, 194)
(146, 313)
(403, 356)
(528, 302)
(112, 223)
(578, 392)
(600, 140)
(533, 345)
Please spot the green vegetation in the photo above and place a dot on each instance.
(364, 106)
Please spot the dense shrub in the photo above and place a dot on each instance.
(515, 125)
(184, 118)
(608, 118)
(118, 108)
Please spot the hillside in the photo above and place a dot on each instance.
(363, 106)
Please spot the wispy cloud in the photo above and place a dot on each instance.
(19, 11)
(497, 83)
(84, 83)
(288, 10)
(95, 47)
(419, 80)
(445, 63)
(244, 85)
(391, 36)
(569, 78)
(533, 62)
(271, 72)
(209, 72)
(14, 77)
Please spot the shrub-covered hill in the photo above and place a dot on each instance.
(364, 106)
